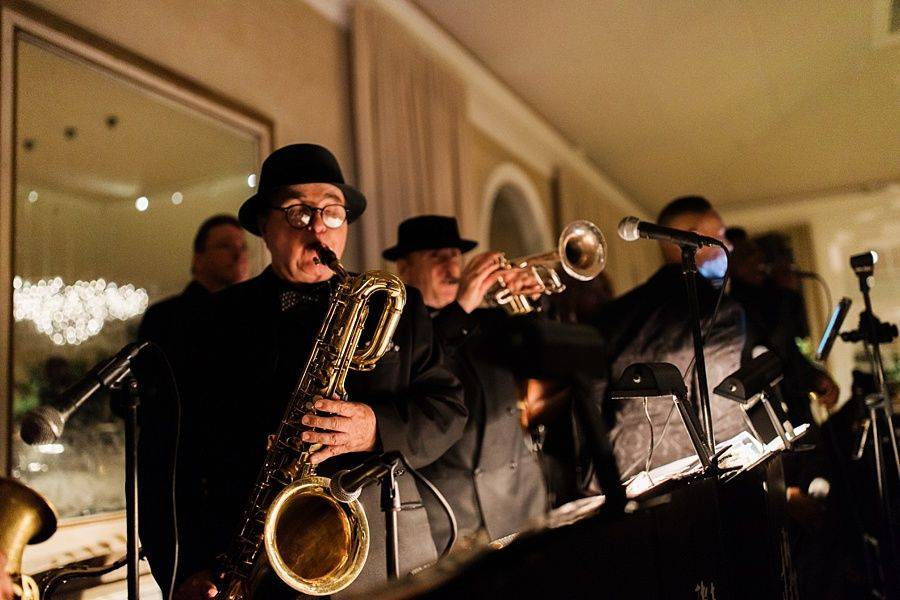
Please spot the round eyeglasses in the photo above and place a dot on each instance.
(299, 216)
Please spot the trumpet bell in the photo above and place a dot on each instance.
(582, 250)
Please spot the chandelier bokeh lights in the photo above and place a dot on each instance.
(72, 314)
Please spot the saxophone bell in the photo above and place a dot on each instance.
(26, 517)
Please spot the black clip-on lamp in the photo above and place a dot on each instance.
(655, 380)
(756, 381)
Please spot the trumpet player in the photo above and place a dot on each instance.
(257, 339)
(489, 476)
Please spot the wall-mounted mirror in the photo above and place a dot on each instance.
(111, 180)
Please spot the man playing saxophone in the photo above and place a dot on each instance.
(258, 336)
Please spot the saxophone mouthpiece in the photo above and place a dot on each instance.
(324, 255)
(327, 257)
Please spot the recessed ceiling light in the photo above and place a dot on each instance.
(177, 197)
(251, 180)
(142, 203)
(33, 196)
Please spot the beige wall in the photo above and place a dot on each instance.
(628, 263)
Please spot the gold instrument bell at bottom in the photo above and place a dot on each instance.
(26, 517)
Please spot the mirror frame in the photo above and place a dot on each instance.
(22, 21)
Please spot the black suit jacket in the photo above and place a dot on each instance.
(489, 477)
(417, 402)
(173, 325)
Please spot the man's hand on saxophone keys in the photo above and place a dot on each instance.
(349, 427)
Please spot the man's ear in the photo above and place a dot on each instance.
(261, 219)
(402, 268)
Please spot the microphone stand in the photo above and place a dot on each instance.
(879, 403)
(871, 332)
(126, 395)
(689, 271)
(391, 505)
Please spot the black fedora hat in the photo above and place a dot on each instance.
(427, 232)
(298, 163)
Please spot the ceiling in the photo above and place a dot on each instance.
(740, 101)
(155, 145)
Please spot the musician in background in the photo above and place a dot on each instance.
(652, 323)
(490, 477)
(220, 259)
(255, 345)
(557, 409)
(776, 318)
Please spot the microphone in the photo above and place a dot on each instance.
(346, 485)
(631, 228)
(44, 424)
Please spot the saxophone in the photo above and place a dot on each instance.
(314, 543)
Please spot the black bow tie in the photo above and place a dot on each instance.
(313, 295)
(290, 298)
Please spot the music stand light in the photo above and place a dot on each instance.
(757, 380)
(656, 380)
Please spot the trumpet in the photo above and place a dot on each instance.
(580, 251)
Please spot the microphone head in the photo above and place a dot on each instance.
(43, 425)
(629, 229)
(337, 490)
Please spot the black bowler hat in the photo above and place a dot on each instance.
(427, 232)
(298, 163)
